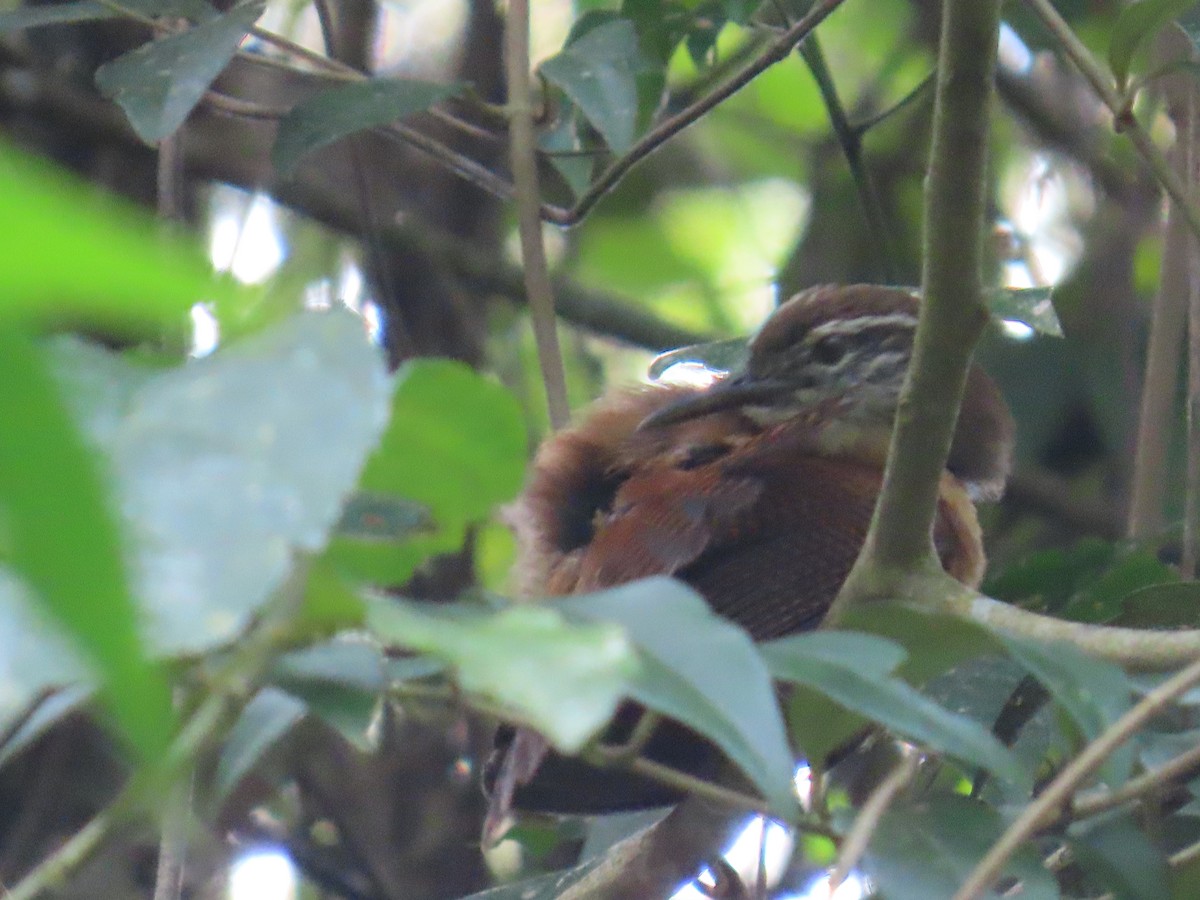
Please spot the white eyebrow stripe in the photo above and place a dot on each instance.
(861, 323)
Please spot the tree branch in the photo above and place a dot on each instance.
(1059, 791)
(899, 543)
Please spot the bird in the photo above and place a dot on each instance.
(756, 491)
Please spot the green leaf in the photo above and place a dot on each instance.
(862, 686)
(702, 670)
(926, 850)
(53, 14)
(1136, 24)
(1162, 606)
(1118, 857)
(456, 442)
(1031, 306)
(229, 466)
(1092, 692)
(934, 642)
(564, 679)
(267, 718)
(341, 111)
(64, 542)
(599, 71)
(1103, 599)
(160, 83)
(124, 267)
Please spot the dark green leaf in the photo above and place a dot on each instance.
(1030, 306)
(1162, 606)
(1103, 599)
(347, 661)
(227, 467)
(350, 711)
(53, 14)
(1119, 858)
(160, 83)
(934, 642)
(341, 111)
(1092, 692)
(858, 683)
(926, 850)
(1138, 23)
(63, 541)
(456, 442)
(565, 679)
(124, 269)
(703, 671)
(599, 72)
(267, 718)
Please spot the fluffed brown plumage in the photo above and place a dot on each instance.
(758, 493)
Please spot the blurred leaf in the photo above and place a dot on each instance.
(160, 83)
(598, 71)
(47, 711)
(934, 642)
(53, 14)
(456, 442)
(562, 678)
(383, 518)
(1032, 306)
(33, 16)
(227, 467)
(702, 670)
(1119, 858)
(540, 887)
(1103, 600)
(926, 850)
(63, 541)
(853, 669)
(349, 661)
(1137, 23)
(330, 603)
(345, 110)
(34, 655)
(717, 356)
(1162, 606)
(124, 268)
(267, 718)
(1092, 692)
(564, 149)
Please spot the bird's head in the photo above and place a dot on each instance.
(834, 358)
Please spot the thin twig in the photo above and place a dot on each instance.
(1048, 804)
(850, 140)
(1094, 804)
(872, 812)
(1167, 320)
(523, 153)
(775, 52)
(1127, 122)
(232, 687)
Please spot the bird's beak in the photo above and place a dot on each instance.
(733, 393)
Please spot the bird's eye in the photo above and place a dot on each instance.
(829, 351)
